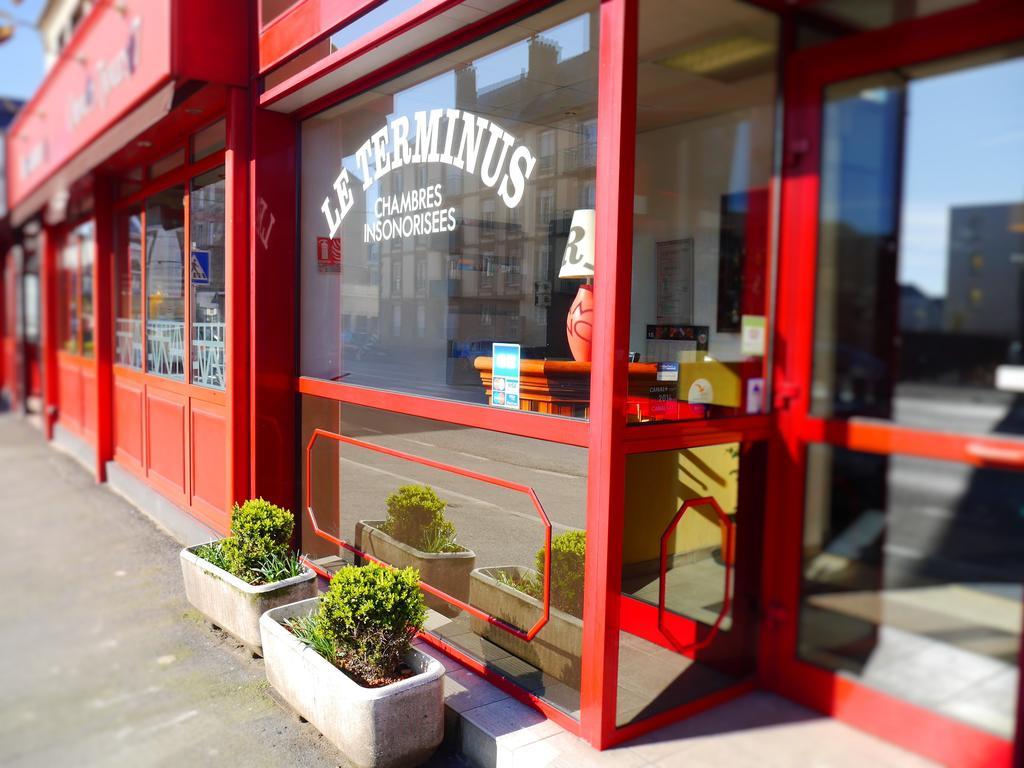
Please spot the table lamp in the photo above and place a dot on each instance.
(578, 262)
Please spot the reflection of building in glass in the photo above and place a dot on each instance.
(448, 295)
(985, 271)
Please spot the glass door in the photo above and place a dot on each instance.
(899, 607)
(695, 454)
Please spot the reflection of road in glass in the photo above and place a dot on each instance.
(500, 525)
(958, 409)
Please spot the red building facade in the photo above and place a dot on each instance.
(727, 298)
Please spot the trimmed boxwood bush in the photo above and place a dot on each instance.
(416, 517)
(366, 621)
(568, 555)
(258, 549)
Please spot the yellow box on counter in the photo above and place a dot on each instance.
(711, 382)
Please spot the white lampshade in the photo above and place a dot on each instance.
(578, 259)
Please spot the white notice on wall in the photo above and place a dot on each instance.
(675, 282)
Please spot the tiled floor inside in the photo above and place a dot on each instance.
(951, 648)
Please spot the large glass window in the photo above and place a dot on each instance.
(920, 300)
(705, 116)
(912, 580)
(430, 224)
(488, 548)
(86, 243)
(165, 283)
(68, 315)
(206, 276)
(128, 277)
(75, 320)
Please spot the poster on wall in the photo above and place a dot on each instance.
(328, 254)
(674, 273)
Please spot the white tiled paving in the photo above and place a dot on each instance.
(759, 730)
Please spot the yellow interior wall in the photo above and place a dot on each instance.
(656, 486)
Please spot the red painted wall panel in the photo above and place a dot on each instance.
(128, 432)
(166, 443)
(209, 462)
(88, 375)
(69, 392)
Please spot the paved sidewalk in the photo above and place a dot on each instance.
(104, 663)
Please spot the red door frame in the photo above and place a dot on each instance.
(986, 23)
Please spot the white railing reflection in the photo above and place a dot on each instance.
(208, 354)
(128, 342)
(165, 346)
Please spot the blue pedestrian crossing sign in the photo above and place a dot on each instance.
(200, 267)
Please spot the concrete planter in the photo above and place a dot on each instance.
(233, 605)
(396, 725)
(448, 571)
(556, 649)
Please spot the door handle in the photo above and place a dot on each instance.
(992, 454)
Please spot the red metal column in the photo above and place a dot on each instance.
(48, 305)
(273, 333)
(103, 323)
(616, 142)
(238, 342)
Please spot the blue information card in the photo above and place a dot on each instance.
(505, 375)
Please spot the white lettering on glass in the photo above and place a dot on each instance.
(448, 136)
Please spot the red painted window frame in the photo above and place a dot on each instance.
(983, 24)
(606, 435)
(184, 174)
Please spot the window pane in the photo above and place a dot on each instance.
(165, 164)
(490, 558)
(441, 253)
(68, 310)
(912, 580)
(709, 574)
(351, 32)
(87, 244)
(705, 117)
(921, 247)
(128, 267)
(206, 223)
(165, 283)
(209, 140)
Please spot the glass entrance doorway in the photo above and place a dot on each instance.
(904, 217)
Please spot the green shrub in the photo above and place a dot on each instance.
(370, 614)
(213, 553)
(416, 517)
(261, 534)
(568, 554)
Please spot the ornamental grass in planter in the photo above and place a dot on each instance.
(516, 595)
(417, 534)
(235, 580)
(345, 663)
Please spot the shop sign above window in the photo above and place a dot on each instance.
(471, 143)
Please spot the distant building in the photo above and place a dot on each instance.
(985, 270)
(57, 24)
(8, 109)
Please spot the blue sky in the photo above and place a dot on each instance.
(21, 57)
(965, 146)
